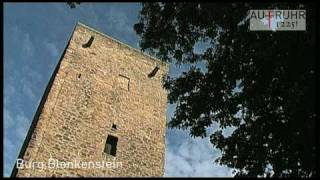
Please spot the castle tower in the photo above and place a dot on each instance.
(103, 113)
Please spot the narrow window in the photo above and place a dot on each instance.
(153, 72)
(79, 76)
(111, 145)
(88, 44)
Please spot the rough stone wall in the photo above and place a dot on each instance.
(95, 87)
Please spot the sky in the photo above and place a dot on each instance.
(35, 35)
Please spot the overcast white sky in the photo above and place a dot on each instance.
(34, 37)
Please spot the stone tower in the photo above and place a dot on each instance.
(103, 113)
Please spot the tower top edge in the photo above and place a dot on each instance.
(158, 61)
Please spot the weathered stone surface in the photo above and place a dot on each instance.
(94, 88)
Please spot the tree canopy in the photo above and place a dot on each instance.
(261, 82)
(73, 4)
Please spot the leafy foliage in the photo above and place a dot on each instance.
(274, 70)
(73, 4)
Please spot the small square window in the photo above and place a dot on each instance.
(114, 126)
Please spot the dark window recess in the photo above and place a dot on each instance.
(111, 145)
(79, 76)
(124, 82)
(114, 126)
(88, 44)
(154, 72)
